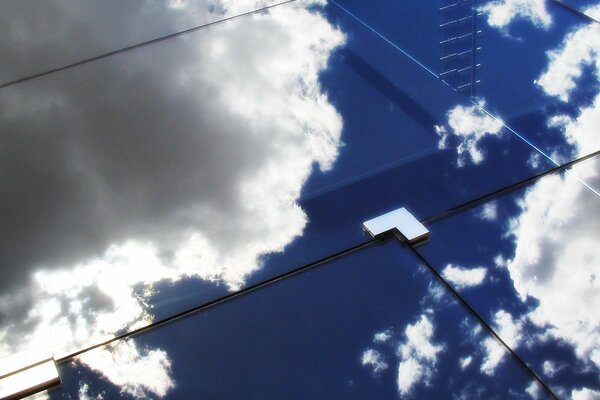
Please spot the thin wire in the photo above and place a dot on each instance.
(142, 44)
(219, 300)
(483, 322)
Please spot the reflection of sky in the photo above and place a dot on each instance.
(321, 131)
(306, 338)
(139, 162)
(540, 290)
(540, 249)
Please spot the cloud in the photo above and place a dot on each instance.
(579, 49)
(418, 355)
(559, 265)
(155, 171)
(551, 368)
(137, 372)
(501, 13)
(465, 362)
(489, 212)
(464, 277)
(382, 337)
(469, 125)
(585, 394)
(510, 331)
(374, 359)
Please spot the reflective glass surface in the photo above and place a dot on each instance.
(370, 324)
(143, 183)
(529, 264)
(532, 64)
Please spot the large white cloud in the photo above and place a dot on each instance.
(157, 170)
(502, 12)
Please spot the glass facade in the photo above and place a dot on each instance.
(159, 156)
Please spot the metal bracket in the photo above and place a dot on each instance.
(398, 221)
(28, 372)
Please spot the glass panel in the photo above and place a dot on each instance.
(544, 88)
(529, 263)
(140, 184)
(39, 36)
(372, 324)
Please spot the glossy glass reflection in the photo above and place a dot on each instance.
(141, 184)
(372, 324)
(529, 263)
(531, 64)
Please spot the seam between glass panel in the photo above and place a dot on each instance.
(483, 322)
(142, 44)
(220, 300)
(507, 189)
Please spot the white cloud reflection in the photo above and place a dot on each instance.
(502, 12)
(470, 125)
(137, 372)
(383, 336)
(227, 135)
(585, 394)
(374, 359)
(464, 277)
(580, 48)
(510, 331)
(418, 355)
